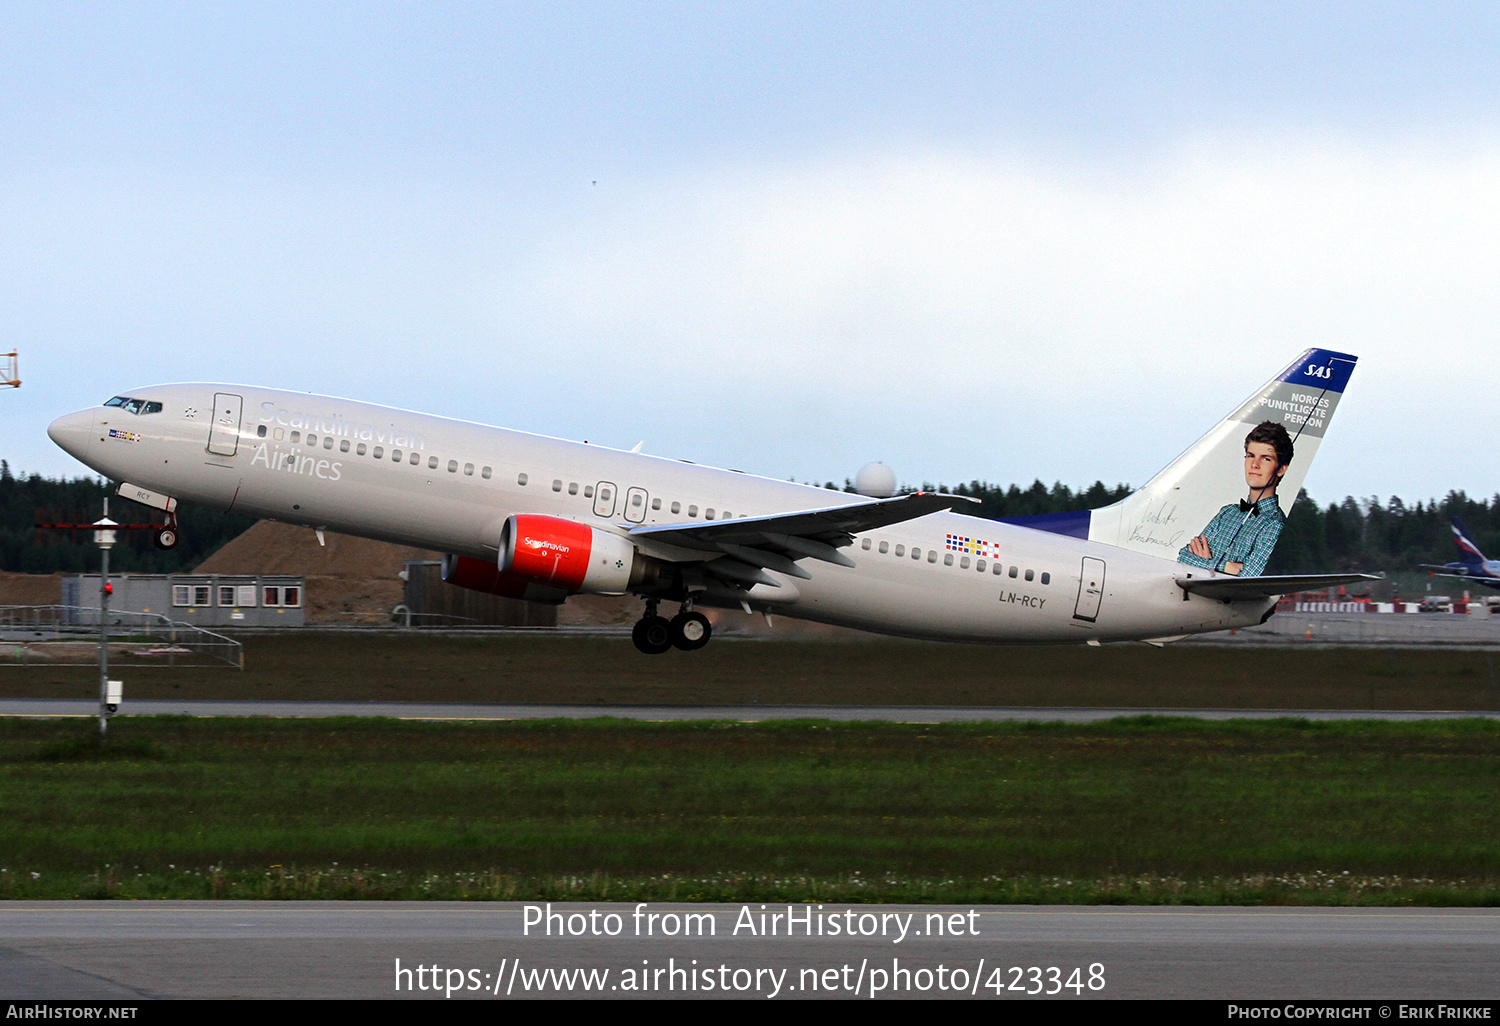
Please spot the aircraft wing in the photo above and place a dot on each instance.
(743, 548)
(1243, 589)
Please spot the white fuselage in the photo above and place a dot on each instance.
(449, 485)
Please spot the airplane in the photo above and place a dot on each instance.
(1473, 568)
(540, 519)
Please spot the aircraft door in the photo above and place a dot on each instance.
(1090, 590)
(604, 499)
(635, 505)
(224, 434)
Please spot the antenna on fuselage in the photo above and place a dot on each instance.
(10, 376)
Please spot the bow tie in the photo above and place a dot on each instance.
(1246, 506)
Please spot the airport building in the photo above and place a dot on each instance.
(204, 600)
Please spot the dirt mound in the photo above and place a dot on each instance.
(349, 580)
(31, 589)
(272, 548)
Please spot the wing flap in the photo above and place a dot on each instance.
(832, 527)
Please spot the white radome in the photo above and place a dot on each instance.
(876, 480)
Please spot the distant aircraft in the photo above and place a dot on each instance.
(540, 519)
(1472, 567)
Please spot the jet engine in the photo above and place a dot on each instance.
(573, 557)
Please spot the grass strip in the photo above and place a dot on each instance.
(1136, 810)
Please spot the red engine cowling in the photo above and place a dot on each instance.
(565, 554)
(482, 575)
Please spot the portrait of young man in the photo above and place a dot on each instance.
(1240, 537)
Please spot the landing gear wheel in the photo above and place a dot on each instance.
(691, 631)
(166, 538)
(652, 634)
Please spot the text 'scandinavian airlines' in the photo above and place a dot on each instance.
(541, 519)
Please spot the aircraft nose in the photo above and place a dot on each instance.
(73, 433)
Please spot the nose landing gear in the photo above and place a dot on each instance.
(166, 538)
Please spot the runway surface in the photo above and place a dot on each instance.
(127, 951)
(55, 708)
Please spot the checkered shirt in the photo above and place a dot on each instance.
(1235, 537)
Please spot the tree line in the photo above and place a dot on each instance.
(1366, 535)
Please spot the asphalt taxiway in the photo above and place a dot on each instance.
(173, 949)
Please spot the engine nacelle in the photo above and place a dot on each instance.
(482, 575)
(558, 553)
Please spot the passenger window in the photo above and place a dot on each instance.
(727, 515)
(344, 445)
(468, 470)
(692, 512)
(296, 437)
(963, 564)
(948, 559)
(676, 507)
(885, 547)
(485, 473)
(453, 466)
(1012, 571)
(395, 455)
(916, 553)
(328, 441)
(932, 556)
(572, 487)
(361, 450)
(416, 459)
(276, 434)
(1030, 575)
(556, 487)
(865, 544)
(637, 499)
(432, 465)
(900, 550)
(260, 432)
(378, 452)
(979, 565)
(312, 439)
(588, 491)
(999, 569)
(520, 478)
(1046, 578)
(656, 504)
(708, 514)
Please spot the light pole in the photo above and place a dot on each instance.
(104, 537)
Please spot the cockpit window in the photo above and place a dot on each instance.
(136, 406)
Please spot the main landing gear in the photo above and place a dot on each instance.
(653, 634)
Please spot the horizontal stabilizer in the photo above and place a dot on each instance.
(1245, 589)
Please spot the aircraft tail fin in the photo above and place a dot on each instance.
(1468, 552)
(1203, 509)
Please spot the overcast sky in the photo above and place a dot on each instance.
(994, 241)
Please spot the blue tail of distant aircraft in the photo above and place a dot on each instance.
(1468, 552)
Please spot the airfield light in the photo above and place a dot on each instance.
(104, 537)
